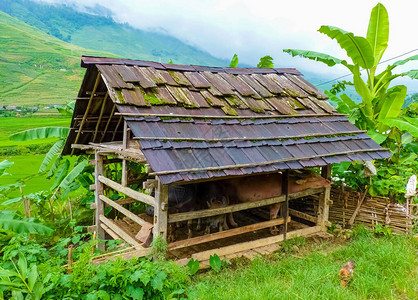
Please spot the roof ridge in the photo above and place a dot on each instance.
(87, 60)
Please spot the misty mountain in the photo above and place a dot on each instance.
(95, 29)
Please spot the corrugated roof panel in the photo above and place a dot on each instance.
(134, 97)
(112, 77)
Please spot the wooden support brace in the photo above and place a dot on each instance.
(323, 205)
(160, 211)
(224, 234)
(237, 207)
(248, 245)
(98, 192)
(127, 191)
(119, 231)
(149, 184)
(123, 210)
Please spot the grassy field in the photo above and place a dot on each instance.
(10, 125)
(27, 164)
(386, 268)
(37, 68)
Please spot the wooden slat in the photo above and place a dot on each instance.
(261, 90)
(218, 83)
(239, 85)
(228, 117)
(253, 138)
(160, 211)
(268, 83)
(143, 78)
(201, 256)
(197, 80)
(237, 207)
(127, 191)
(211, 99)
(123, 210)
(226, 167)
(224, 234)
(110, 232)
(119, 231)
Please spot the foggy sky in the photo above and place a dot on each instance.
(253, 28)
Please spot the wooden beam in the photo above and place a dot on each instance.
(98, 171)
(330, 134)
(116, 128)
(323, 203)
(229, 117)
(226, 167)
(160, 211)
(222, 251)
(149, 184)
(108, 122)
(110, 232)
(123, 210)
(237, 207)
(119, 231)
(224, 234)
(124, 256)
(87, 109)
(128, 191)
(285, 191)
(100, 116)
(125, 144)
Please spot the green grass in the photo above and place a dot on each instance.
(385, 269)
(37, 68)
(10, 125)
(26, 166)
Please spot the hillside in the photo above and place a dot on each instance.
(37, 68)
(96, 30)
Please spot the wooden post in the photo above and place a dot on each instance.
(160, 211)
(126, 135)
(285, 191)
(99, 203)
(324, 199)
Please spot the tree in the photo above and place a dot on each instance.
(380, 109)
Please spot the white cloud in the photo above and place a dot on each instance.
(256, 28)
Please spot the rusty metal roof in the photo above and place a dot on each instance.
(196, 122)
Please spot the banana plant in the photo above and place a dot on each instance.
(60, 167)
(380, 109)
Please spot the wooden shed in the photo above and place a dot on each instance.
(190, 124)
